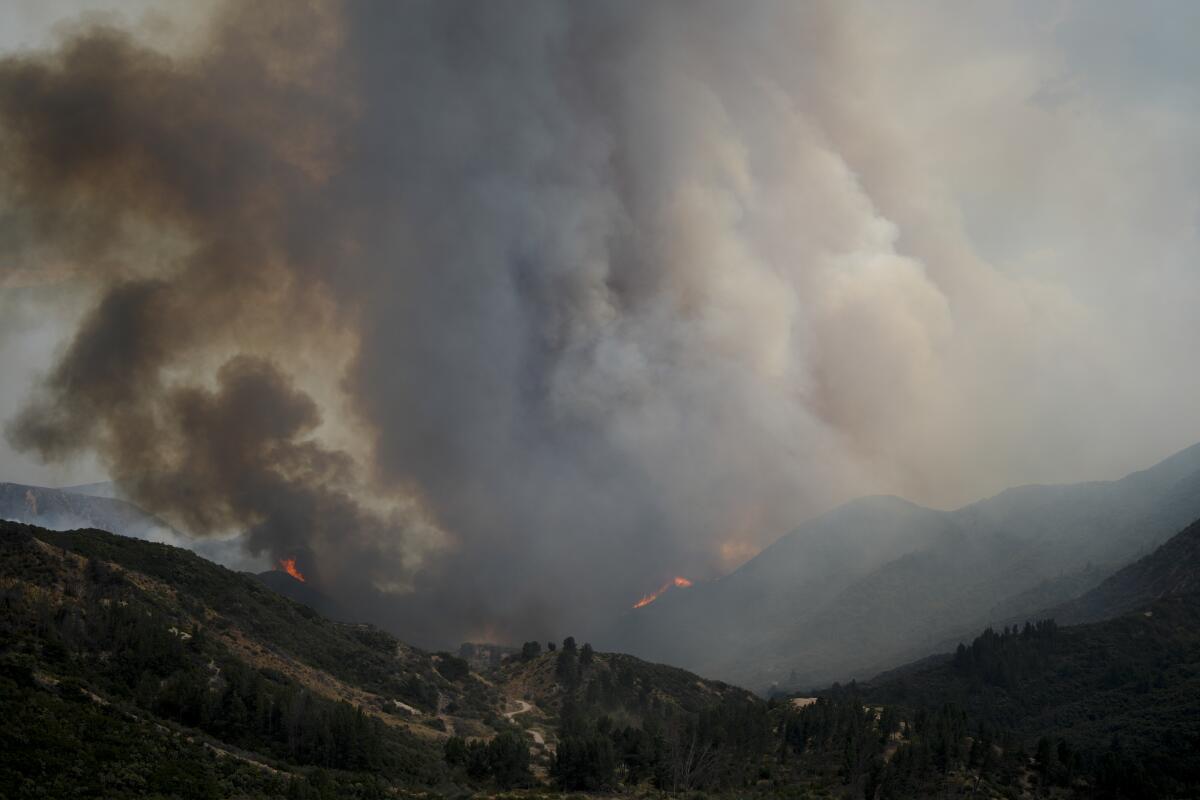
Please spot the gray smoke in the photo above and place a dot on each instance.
(499, 315)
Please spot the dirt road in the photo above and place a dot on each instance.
(522, 708)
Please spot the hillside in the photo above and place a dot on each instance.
(1173, 569)
(282, 583)
(163, 672)
(158, 644)
(1123, 694)
(880, 581)
(713, 625)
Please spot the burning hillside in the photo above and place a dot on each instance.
(288, 565)
(682, 583)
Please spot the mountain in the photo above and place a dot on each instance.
(282, 583)
(1122, 695)
(100, 489)
(785, 585)
(1173, 569)
(98, 505)
(130, 668)
(84, 507)
(880, 581)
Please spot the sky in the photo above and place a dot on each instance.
(472, 308)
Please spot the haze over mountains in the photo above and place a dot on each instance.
(606, 293)
(1171, 570)
(99, 505)
(858, 590)
(880, 580)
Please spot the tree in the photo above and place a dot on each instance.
(567, 668)
(453, 668)
(530, 651)
(1045, 759)
(508, 757)
(585, 761)
(586, 655)
(690, 758)
(455, 751)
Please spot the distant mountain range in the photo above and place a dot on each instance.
(881, 581)
(99, 505)
(90, 506)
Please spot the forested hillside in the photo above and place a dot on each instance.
(119, 652)
(1116, 702)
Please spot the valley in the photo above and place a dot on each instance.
(599, 400)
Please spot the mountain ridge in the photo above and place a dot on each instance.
(1016, 552)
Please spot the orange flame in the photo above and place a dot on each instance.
(682, 583)
(288, 565)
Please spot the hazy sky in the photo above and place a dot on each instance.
(601, 293)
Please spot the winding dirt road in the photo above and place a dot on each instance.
(522, 708)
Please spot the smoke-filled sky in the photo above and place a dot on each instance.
(501, 314)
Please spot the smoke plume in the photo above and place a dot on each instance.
(472, 307)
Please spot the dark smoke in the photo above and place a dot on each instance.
(192, 194)
(497, 316)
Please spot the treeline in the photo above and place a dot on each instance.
(1006, 658)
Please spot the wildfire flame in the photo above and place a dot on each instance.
(288, 565)
(682, 583)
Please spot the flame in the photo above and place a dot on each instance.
(646, 600)
(288, 565)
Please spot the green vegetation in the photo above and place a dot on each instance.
(623, 722)
(503, 760)
(100, 667)
(1115, 704)
(62, 744)
(358, 654)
